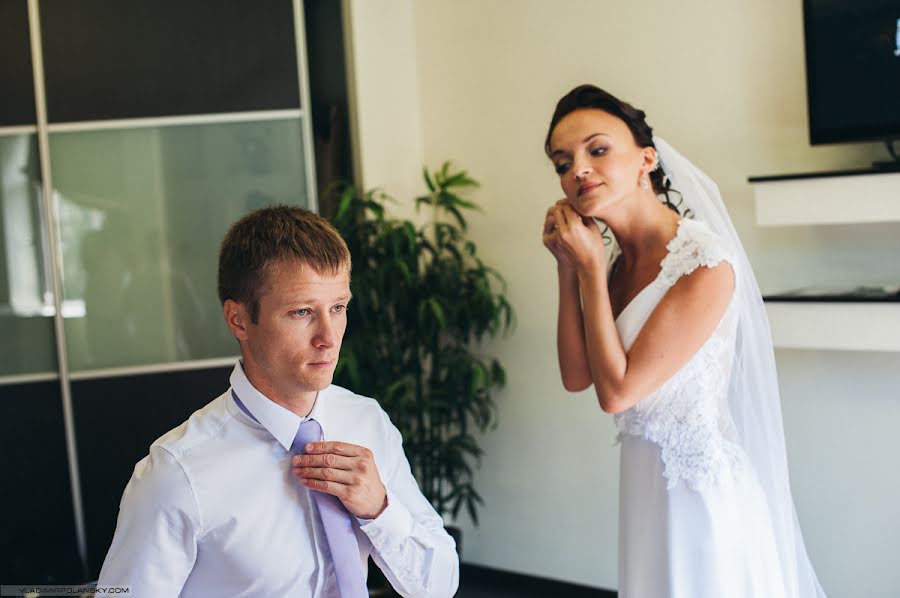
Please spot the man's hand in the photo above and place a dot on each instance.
(345, 470)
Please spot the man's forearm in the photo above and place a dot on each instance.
(418, 557)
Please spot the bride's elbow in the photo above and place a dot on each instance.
(575, 385)
(611, 407)
(610, 403)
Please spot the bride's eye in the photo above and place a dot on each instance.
(598, 151)
(562, 167)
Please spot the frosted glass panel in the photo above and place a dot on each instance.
(26, 302)
(142, 213)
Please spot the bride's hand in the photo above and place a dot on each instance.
(574, 239)
(551, 238)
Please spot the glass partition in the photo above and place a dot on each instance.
(26, 299)
(142, 212)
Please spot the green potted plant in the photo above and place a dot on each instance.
(423, 299)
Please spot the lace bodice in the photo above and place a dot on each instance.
(687, 417)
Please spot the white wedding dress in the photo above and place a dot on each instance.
(694, 521)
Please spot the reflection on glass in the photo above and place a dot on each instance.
(142, 213)
(26, 301)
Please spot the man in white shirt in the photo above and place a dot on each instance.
(222, 505)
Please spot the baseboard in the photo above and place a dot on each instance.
(530, 585)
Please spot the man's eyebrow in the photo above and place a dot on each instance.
(311, 300)
(585, 140)
(342, 298)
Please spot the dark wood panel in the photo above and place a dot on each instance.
(116, 421)
(37, 523)
(16, 77)
(106, 59)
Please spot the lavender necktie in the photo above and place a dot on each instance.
(336, 520)
(338, 526)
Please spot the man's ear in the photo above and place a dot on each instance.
(237, 317)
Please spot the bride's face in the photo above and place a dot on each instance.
(598, 161)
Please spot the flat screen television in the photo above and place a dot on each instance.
(852, 69)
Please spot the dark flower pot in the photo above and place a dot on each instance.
(456, 534)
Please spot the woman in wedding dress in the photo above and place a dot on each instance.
(668, 326)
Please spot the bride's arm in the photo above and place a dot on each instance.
(570, 343)
(570, 347)
(679, 325)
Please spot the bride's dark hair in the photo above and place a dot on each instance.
(590, 96)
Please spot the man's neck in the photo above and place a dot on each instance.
(300, 405)
(299, 402)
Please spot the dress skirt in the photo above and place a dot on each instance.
(682, 542)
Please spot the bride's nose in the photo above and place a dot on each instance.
(582, 171)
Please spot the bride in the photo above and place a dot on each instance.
(669, 327)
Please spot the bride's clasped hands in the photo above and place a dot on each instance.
(574, 240)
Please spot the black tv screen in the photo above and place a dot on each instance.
(852, 69)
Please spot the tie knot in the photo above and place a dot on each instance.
(309, 431)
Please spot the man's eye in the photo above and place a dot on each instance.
(562, 168)
(339, 308)
(301, 312)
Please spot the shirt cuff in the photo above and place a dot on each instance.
(391, 527)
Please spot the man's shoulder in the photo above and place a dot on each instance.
(202, 426)
(357, 410)
(345, 396)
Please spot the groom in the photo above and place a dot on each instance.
(283, 485)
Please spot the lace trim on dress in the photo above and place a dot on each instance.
(682, 416)
(694, 245)
(683, 421)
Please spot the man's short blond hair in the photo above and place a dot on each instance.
(262, 238)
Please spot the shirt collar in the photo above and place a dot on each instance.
(280, 422)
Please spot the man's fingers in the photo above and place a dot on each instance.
(323, 460)
(328, 474)
(338, 448)
(327, 486)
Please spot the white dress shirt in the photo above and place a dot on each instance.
(214, 510)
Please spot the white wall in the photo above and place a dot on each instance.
(384, 96)
(725, 83)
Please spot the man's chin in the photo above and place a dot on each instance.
(320, 380)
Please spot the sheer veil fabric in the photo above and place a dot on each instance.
(754, 402)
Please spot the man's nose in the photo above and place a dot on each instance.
(327, 333)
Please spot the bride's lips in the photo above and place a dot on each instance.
(587, 187)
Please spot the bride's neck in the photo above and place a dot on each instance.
(643, 229)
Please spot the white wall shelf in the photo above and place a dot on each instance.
(864, 326)
(841, 197)
(849, 197)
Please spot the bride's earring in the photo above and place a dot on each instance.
(645, 184)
